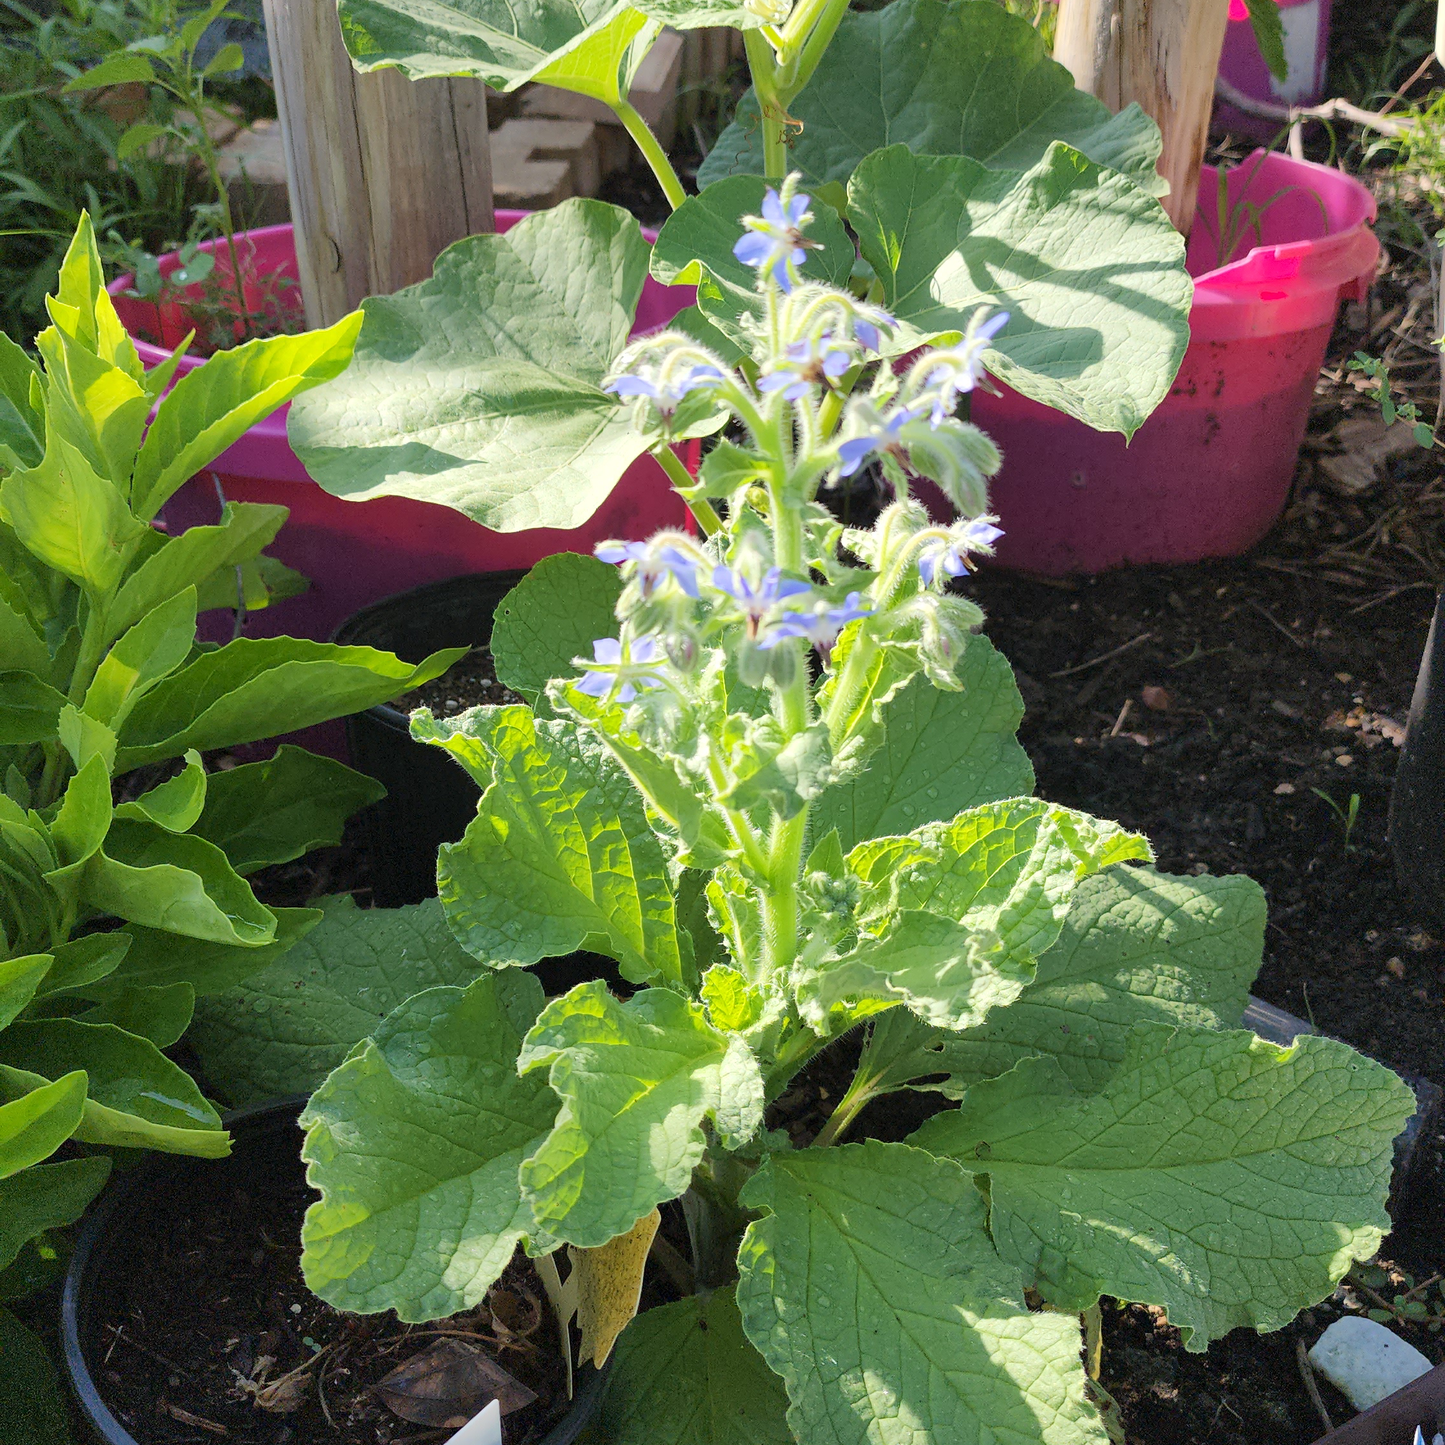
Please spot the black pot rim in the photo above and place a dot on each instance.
(152, 1171)
(384, 712)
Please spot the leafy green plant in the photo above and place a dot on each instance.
(1391, 410)
(784, 796)
(1346, 816)
(123, 862)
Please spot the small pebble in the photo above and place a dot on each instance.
(295, 1309)
(1283, 790)
(1366, 1361)
(1396, 966)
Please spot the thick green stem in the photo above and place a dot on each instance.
(764, 68)
(793, 1055)
(849, 1107)
(817, 42)
(700, 507)
(652, 152)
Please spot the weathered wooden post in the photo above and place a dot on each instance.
(1162, 53)
(383, 172)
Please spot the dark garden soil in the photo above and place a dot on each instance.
(214, 1335)
(468, 683)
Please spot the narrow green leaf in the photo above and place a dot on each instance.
(228, 58)
(480, 389)
(943, 77)
(29, 709)
(35, 1125)
(22, 426)
(414, 1143)
(154, 648)
(258, 687)
(137, 137)
(84, 738)
(552, 615)
(1088, 267)
(1222, 1178)
(156, 957)
(284, 1029)
(942, 752)
(161, 1014)
(210, 407)
(636, 1081)
(1264, 19)
(20, 980)
(559, 856)
(86, 960)
(175, 804)
(279, 809)
(49, 1196)
(871, 1286)
(22, 649)
(82, 821)
(685, 1374)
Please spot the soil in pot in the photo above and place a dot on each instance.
(472, 682)
(208, 1331)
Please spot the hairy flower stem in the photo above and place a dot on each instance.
(702, 510)
(652, 153)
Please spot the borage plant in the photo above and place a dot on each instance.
(123, 859)
(784, 796)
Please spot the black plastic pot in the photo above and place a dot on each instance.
(266, 1140)
(429, 799)
(1417, 804)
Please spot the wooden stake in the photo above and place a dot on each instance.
(1163, 54)
(383, 172)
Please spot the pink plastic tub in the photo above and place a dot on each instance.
(356, 553)
(1306, 25)
(1210, 471)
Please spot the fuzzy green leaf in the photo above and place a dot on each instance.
(279, 809)
(559, 856)
(480, 388)
(1088, 267)
(955, 78)
(414, 1143)
(636, 1081)
(685, 1374)
(555, 613)
(942, 752)
(258, 687)
(283, 1030)
(871, 1286)
(1222, 1178)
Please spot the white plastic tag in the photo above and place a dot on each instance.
(483, 1429)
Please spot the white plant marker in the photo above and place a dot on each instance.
(483, 1429)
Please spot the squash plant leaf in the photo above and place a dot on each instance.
(871, 1286)
(414, 1143)
(560, 855)
(942, 752)
(685, 1374)
(284, 1029)
(552, 615)
(1136, 946)
(1088, 267)
(636, 1081)
(480, 388)
(1171, 1185)
(943, 77)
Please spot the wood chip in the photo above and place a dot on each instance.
(197, 1422)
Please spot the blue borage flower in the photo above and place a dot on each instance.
(960, 368)
(654, 560)
(774, 242)
(609, 652)
(757, 602)
(810, 363)
(879, 437)
(866, 324)
(950, 554)
(666, 392)
(820, 626)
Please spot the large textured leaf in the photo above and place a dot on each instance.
(871, 1286)
(283, 1030)
(1088, 267)
(1224, 1179)
(555, 613)
(414, 1143)
(49, 1196)
(1137, 945)
(33, 1408)
(942, 752)
(259, 687)
(210, 407)
(157, 959)
(685, 1374)
(958, 78)
(137, 1096)
(695, 247)
(559, 856)
(636, 1080)
(481, 388)
(276, 810)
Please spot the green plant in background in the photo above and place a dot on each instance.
(785, 796)
(123, 862)
(1346, 816)
(1391, 410)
